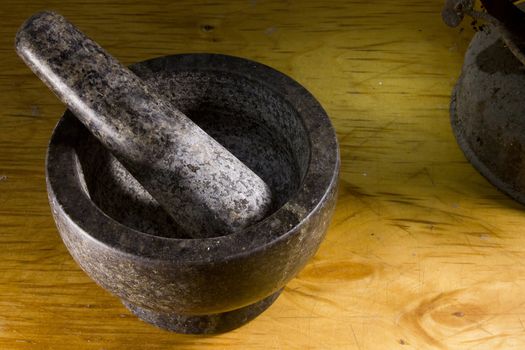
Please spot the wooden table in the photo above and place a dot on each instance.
(423, 253)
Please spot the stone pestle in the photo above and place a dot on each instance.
(206, 189)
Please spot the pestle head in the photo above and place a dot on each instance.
(206, 189)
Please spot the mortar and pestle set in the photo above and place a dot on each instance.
(193, 186)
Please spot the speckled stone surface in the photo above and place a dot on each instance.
(205, 324)
(113, 227)
(206, 189)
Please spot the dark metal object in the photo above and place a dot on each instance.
(509, 14)
(487, 112)
(487, 107)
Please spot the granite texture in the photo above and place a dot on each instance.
(195, 216)
(114, 229)
(487, 112)
(198, 182)
(203, 324)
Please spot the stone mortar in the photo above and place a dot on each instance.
(122, 238)
(204, 188)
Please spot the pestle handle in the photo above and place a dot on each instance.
(206, 189)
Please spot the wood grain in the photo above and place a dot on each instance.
(422, 254)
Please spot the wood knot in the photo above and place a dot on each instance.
(207, 27)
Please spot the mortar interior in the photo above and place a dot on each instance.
(246, 116)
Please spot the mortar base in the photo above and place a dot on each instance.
(202, 324)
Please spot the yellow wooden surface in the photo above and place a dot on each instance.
(422, 253)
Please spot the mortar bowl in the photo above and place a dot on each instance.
(125, 242)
